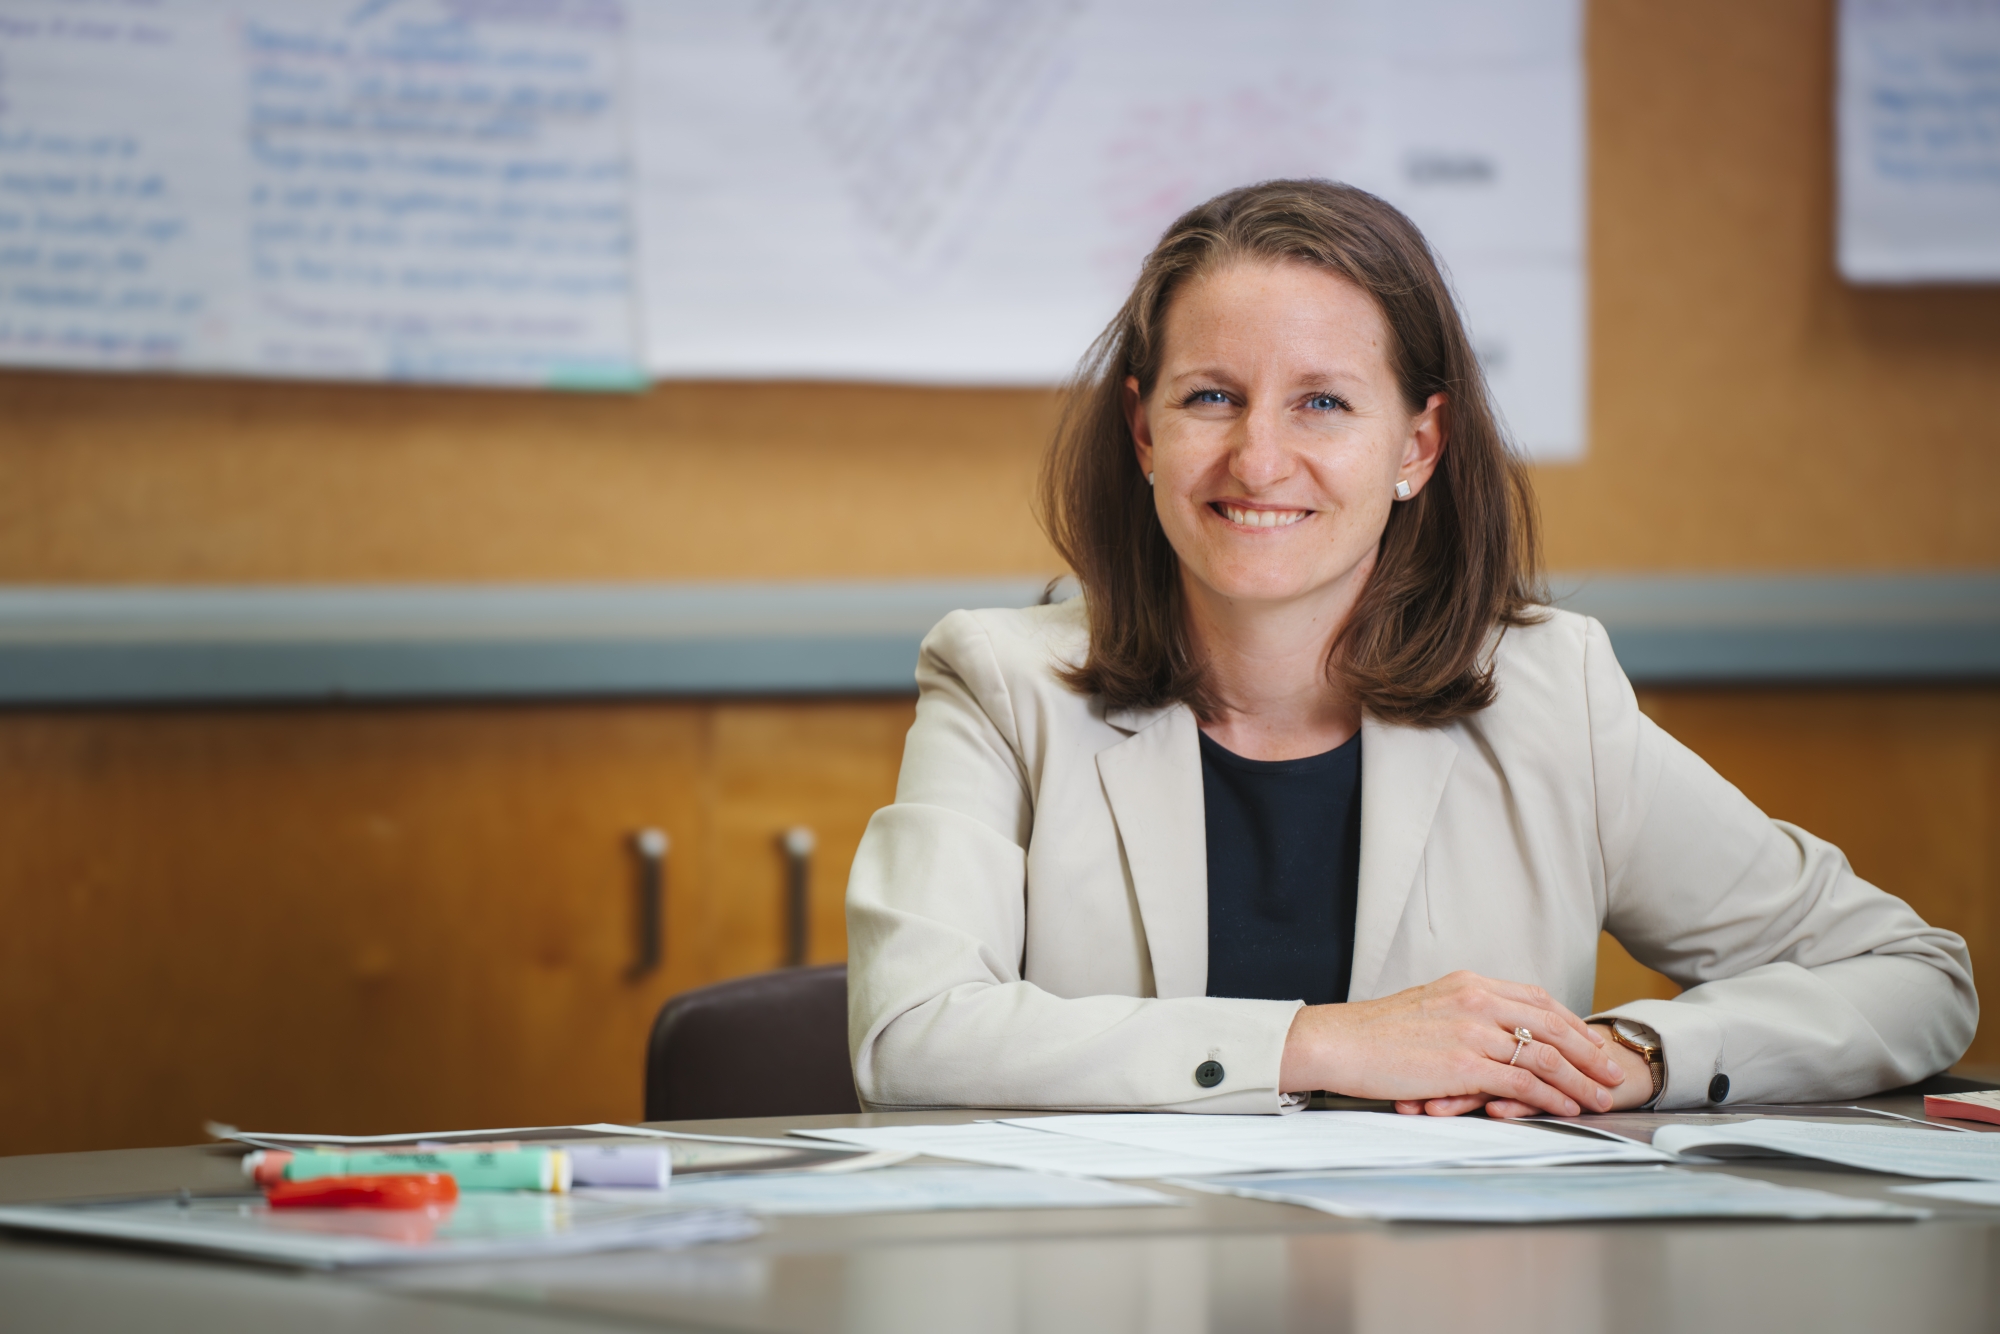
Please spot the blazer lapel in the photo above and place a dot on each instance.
(1153, 782)
(1403, 773)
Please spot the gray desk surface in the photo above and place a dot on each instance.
(1219, 1264)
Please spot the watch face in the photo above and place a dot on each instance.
(1637, 1034)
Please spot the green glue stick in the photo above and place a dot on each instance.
(474, 1169)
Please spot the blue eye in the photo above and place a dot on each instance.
(1327, 403)
(1212, 396)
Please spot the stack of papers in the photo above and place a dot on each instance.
(1150, 1145)
(1569, 1194)
(1911, 1151)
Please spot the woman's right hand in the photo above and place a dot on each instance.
(1444, 1047)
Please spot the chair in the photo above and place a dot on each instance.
(772, 1044)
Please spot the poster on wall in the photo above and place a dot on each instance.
(960, 191)
(1918, 109)
(415, 190)
(594, 192)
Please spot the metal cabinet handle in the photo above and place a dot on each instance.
(651, 847)
(797, 843)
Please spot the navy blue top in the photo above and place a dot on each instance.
(1284, 870)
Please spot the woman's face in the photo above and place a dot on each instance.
(1276, 433)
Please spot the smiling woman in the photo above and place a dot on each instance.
(1308, 791)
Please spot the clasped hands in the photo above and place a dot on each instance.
(1443, 1049)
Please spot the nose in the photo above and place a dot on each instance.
(1257, 457)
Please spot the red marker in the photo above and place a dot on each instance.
(413, 1190)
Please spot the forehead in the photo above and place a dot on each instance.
(1265, 308)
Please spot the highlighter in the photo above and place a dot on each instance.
(537, 1169)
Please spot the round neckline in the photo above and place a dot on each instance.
(1325, 759)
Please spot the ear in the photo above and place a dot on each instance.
(1142, 430)
(1427, 440)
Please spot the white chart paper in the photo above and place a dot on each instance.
(419, 190)
(1919, 116)
(1144, 1145)
(1310, 1141)
(999, 1144)
(961, 190)
(1905, 1150)
(1568, 1194)
(903, 1190)
(1956, 1192)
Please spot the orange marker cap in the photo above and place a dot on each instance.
(408, 1190)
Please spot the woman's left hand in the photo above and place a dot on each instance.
(1634, 1092)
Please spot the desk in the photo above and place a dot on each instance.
(1221, 1264)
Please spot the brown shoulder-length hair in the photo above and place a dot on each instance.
(1455, 563)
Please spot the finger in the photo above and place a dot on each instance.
(1549, 1065)
(1537, 1078)
(1587, 1058)
(1511, 1082)
(1506, 1109)
(1539, 999)
(1409, 1106)
(1458, 1106)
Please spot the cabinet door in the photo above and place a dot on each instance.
(338, 919)
(826, 766)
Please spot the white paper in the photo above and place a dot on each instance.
(691, 1153)
(323, 188)
(1903, 1150)
(906, 1190)
(1958, 1192)
(481, 1225)
(961, 190)
(999, 1144)
(1919, 113)
(1308, 1141)
(1568, 1194)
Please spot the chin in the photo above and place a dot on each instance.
(1263, 586)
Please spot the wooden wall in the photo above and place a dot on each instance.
(1748, 411)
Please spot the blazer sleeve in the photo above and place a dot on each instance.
(1803, 981)
(939, 1013)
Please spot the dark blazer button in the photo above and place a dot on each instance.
(1209, 1073)
(1718, 1089)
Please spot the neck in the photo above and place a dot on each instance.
(1267, 669)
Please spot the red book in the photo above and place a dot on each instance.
(1965, 1106)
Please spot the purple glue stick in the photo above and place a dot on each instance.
(621, 1165)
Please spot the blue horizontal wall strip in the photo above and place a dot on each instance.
(74, 646)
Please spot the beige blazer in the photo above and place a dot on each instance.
(1028, 924)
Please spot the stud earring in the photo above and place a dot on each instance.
(1402, 490)
(1149, 479)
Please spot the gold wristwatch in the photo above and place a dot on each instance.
(1636, 1036)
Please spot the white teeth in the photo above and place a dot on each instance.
(1264, 518)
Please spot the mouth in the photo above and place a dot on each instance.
(1259, 518)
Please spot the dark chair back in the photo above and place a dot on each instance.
(772, 1044)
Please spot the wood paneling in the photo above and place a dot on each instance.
(333, 919)
(1906, 782)
(1748, 409)
(361, 919)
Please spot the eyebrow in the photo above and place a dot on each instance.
(1309, 378)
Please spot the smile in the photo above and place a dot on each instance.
(1259, 518)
